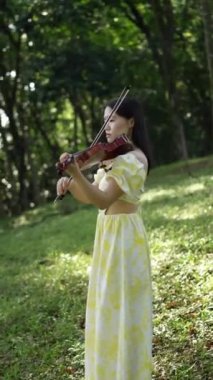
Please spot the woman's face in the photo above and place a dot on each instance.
(117, 125)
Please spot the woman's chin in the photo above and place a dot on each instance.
(109, 139)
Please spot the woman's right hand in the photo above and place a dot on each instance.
(62, 186)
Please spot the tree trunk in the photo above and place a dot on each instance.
(207, 15)
(35, 195)
(19, 151)
(52, 146)
(149, 142)
(9, 194)
(162, 51)
(79, 112)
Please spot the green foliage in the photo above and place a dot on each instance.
(59, 63)
(45, 256)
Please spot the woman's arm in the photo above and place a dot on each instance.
(66, 184)
(99, 198)
(86, 192)
(89, 193)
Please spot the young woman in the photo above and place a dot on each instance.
(118, 338)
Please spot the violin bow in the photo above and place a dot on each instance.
(119, 101)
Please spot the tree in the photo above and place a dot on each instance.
(207, 15)
(61, 61)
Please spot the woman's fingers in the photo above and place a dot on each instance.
(58, 187)
(64, 157)
(62, 185)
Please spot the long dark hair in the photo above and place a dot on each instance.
(131, 108)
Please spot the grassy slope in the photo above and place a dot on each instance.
(43, 281)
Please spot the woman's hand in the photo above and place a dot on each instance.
(73, 168)
(62, 186)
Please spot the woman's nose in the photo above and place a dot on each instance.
(107, 127)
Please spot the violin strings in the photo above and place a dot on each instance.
(115, 108)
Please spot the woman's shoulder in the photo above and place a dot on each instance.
(140, 157)
(136, 157)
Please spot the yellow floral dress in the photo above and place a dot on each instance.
(118, 337)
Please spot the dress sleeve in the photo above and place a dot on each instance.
(99, 175)
(129, 173)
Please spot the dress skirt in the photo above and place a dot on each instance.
(118, 336)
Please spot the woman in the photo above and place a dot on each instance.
(118, 338)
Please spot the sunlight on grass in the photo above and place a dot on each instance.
(194, 187)
(21, 221)
(58, 269)
(158, 193)
(162, 193)
(189, 212)
(75, 264)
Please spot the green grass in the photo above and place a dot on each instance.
(45, 255)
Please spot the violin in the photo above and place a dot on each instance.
(98, 152)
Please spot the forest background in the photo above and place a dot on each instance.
(61, 60)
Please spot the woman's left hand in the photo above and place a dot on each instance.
(72, 168)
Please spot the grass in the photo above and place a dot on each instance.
(45, 255)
